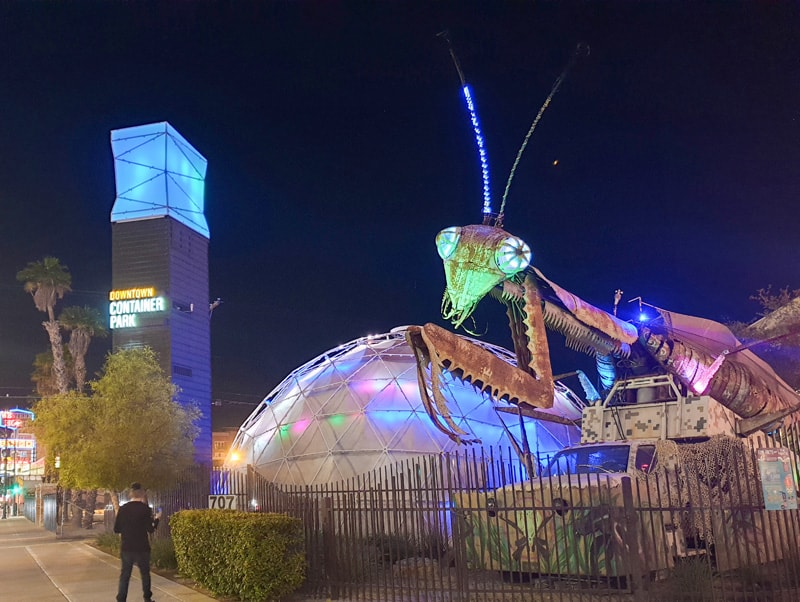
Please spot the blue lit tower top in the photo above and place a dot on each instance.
(158, 173)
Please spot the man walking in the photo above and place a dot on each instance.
(135, 522)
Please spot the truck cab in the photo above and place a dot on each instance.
(632, 457)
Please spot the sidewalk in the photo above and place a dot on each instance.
(38, 566)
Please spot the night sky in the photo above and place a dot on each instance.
(338, 145)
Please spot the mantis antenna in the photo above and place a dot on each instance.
(580, 50)
(473, 115)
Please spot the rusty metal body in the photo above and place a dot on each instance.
(707, 361)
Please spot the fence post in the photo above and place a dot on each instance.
(634, 563)
(459, 540)
(329, 546)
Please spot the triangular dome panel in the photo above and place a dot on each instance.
(410, 438)
(387, 396)
(332, 428)
(360, 436)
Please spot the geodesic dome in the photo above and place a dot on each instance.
(357, 408)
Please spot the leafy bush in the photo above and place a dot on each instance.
(162, 553)
(691, 579)
(109, 542)
(361, 562)
(393, 547)
(249, 555)
(162, 550)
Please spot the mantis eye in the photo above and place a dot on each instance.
(512, 255)
(447, 241)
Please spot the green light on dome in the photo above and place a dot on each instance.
(336, 420)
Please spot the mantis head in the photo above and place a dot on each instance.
(476, 259)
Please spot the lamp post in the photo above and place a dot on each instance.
(59, 493)
(14, 489)
(5, 477)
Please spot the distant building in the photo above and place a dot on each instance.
(221, 442)
(18, 451)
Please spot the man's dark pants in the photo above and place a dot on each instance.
(142, 560)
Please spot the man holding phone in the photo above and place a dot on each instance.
(135, 522)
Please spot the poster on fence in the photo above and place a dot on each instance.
(775, 468)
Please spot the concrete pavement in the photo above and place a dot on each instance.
(36, 565)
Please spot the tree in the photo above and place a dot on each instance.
(779, 328)
(83, 324)
(129, 429)
(48, 281)
(42, 376)
(65, 426)
(770, 301)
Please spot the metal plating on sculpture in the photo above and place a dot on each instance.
(485, 259)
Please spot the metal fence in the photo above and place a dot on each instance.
(468, 526)
(189, 492)
(42, 509)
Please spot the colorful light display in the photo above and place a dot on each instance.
(126, 305)
(21, 446)
(358, 407)
(158, 173)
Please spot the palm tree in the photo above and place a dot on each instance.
(83, 324)
(42, 376)
(48, 281)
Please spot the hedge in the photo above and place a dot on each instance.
(250, 555)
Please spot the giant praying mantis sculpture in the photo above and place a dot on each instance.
(485, 260)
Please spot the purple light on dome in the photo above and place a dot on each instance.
(300, 426)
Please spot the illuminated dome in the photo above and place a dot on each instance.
(358, 408)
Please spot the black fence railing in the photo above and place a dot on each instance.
(189, 492)
(465, 526)
(692, 524)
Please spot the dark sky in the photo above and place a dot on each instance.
(338, 145)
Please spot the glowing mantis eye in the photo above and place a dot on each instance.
(447, 241)
(512, 256)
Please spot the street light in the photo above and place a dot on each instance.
(14, 488)
(5, 477)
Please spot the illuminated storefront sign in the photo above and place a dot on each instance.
(16, 418)
(127, 304)
(14, 444)
(132, 293)
(18, 448)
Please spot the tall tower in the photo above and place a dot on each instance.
(159, 240)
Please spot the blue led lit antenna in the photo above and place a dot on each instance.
(488, 217)
(473, 115)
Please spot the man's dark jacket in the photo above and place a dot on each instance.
(135, 522)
